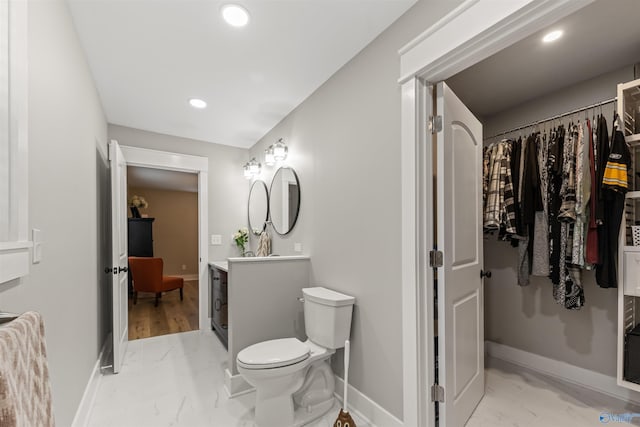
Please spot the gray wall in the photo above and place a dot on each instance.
(528, 318)
(344, 142)
(584, 93)
(67, 136)
(228, 189)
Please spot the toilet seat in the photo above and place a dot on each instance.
(273, 354)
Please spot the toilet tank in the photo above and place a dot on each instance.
(327, 316)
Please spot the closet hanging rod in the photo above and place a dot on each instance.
(558, 116)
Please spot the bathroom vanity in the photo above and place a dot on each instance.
(262, 295)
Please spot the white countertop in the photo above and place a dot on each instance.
(268, 258)
(224, 265)
(220, 265)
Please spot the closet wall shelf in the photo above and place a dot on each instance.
(631, 248)
(635, 138)
(633, 195)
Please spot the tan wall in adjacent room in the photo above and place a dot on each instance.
(175, 229)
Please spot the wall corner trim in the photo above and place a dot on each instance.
(365, 408)
(575, 375)
(81, 419)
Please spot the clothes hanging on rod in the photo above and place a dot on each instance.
(558, 196)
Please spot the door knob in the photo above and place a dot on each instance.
(484, 274)
(121, 269)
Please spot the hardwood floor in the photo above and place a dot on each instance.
(171, 315)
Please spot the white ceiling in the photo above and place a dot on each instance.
(608, 30)
(160, 179)
(148, 57)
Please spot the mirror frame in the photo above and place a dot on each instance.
(266, 218)
(295, 221)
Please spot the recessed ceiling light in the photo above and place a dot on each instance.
(552, 36)
(197, 103)
(235, 15)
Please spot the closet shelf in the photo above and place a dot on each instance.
(629, 248)
(633, 195)
(635, 138)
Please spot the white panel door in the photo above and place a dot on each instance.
(119, 253)
(459, 237)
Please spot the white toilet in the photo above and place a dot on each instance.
(293, 379)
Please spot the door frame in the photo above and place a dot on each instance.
(156, 159)
(473, 31)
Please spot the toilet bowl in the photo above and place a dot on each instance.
(293, 379)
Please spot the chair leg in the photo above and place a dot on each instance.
(181, 296)
(135, 297)
(157, 296)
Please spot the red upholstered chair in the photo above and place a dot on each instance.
(147, 277)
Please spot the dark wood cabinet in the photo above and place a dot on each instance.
(218, 303)
(141, 237)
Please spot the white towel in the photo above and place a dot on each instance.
(264, 244)
(25, 393)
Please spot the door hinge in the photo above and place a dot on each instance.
(437, 393)
(436, 259)
(435, 124)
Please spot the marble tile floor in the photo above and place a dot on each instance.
(177, 380)
(518, 397)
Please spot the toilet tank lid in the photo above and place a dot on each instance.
(326, 296)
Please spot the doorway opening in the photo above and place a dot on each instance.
(515, 90)
(120, 158)
(525, 95)
(163, 223)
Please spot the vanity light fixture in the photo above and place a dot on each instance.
(197, 103)
(269, 158)
(280, 150)
(552, 36)
(235, 15)
(252, 168)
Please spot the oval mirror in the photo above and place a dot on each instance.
(284, 200)
(258, 207)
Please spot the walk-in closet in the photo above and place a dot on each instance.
(564, 285)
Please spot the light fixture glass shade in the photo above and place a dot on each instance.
(280, 150)
(269, 159)
(254, 167)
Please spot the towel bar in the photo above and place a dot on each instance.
(6, 317)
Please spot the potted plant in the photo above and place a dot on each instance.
(241, 237)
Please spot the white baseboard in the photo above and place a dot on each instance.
(365, 408)
(236, 385)
(187, 277)
(83, 412)
(562, 371)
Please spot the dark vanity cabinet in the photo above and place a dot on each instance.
(218, 303)
(141, 237)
